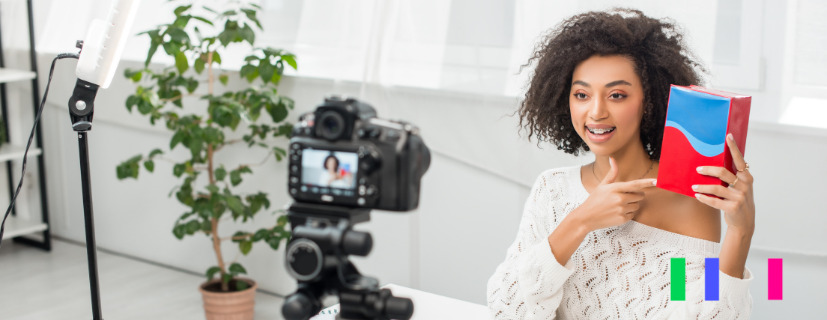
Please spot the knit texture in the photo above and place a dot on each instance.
(620, 272)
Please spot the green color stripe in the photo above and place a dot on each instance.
(678, 283)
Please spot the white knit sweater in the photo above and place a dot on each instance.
(617, 273)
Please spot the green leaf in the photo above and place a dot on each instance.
(192, 84)
(250, 72)
(149, 165)
(220, 173)
(278, 112)
(235, 177)
(214, 135)
(131, 101)
(144, 107)
(127, 169)
(196, 146)
(212, 271)
(199, 65)
(251, 14)
(177, 138)
(181, 62)
(134, 75)
(274, 242)
(152, 48)
(224, 78)
(178, 169)
(248, 34)
(266, 70)
(179, 231)
(260, 234)
(212, 188)
(291, 60)
(225, 278)
(178, 11)
(154, 153)
(178, 35)
(241, 285)
(279, 153)
(193, 226)
(245, 247)
(182, 21)
(202, 19)
(237, 269)
(235, 204)
(171, 48)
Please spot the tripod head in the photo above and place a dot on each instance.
(317, 257)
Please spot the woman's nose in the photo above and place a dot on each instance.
(597, 109)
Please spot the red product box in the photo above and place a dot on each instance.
(697, 123)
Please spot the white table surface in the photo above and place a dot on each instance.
(427, 306)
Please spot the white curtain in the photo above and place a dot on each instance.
(472, 46)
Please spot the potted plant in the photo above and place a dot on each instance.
(254, 116)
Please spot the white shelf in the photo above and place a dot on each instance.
(17, 226)
(10, 152)
(10, 75)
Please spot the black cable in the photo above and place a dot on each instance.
(31, 136)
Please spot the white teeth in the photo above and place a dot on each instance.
(600, 131)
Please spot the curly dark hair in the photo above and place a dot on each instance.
(655, 46)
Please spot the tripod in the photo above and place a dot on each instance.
(81, 107)
(317, 258)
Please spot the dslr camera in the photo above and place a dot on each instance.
(343, 155)
(344, 161)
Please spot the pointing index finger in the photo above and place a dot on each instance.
(636, 185)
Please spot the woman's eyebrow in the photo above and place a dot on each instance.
(617, 83)
(610, 84)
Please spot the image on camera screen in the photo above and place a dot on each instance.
(329, 169)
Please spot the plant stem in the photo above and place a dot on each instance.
(216, 240)
(216, 243)
(209, 72)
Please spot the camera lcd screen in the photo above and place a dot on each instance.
(325, 171)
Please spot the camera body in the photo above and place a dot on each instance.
(344, 161)
(343, 155)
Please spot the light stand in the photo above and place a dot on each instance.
(81, 106)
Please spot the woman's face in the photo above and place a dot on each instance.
(330, 164)
(606, 103)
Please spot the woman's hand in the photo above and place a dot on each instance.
(736, 200)
(613, 203)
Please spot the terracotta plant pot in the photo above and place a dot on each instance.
(238, 305)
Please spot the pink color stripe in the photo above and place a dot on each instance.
(776, 281)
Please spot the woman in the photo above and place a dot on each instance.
(331, 177)
(595, 242)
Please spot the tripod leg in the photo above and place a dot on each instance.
(91, 253)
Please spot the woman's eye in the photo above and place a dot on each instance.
(580, 95)
(617, 95)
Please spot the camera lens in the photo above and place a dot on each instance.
(331, 125)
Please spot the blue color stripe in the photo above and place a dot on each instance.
(708, 150)
(711, 276)
(704, 115)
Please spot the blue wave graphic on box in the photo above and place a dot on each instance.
(706, 149)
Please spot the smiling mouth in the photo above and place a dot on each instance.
(599, 131)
